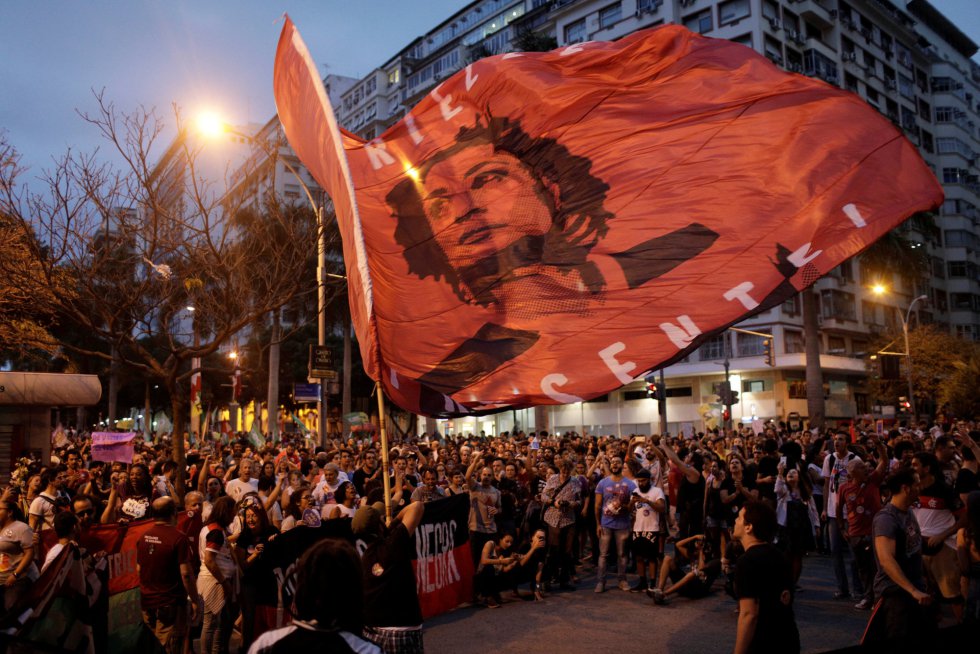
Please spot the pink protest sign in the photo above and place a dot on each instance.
(113, 446)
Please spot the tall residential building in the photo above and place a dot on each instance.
(904, 58)
(266, 169)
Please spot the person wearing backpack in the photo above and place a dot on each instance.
(46, 504)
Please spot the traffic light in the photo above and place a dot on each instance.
(904, 404)
(734, 398)
(770, 356)
(651, 390)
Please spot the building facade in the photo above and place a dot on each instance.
(904, 58)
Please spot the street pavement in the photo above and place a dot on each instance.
(620, 622)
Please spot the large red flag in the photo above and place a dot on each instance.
(545, 227)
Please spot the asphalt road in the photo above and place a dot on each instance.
(616, 621)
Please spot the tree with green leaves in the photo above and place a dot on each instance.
(941, 367)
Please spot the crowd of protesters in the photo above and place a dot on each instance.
(737, 510)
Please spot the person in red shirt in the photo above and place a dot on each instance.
(163, 561)
(860, 498)
(290, 455)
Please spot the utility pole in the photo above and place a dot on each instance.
(727, 390)
(662, 404)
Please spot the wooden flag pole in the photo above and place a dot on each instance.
(384, 451)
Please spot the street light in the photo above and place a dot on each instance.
(879, 289)
(212, 126)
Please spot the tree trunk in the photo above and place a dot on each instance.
(345, 398)
(814, 374)
(180, 456)
(147, 413)
(273, 396)
(541, 419)
(113, 388)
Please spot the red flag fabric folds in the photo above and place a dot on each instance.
(545, 227)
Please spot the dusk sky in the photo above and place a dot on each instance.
(206, 55)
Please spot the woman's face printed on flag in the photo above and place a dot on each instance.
(458, 195)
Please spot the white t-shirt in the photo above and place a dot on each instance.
(43, 505)
(324, 492)
(837, 477)
(647, 519)
(236, 488)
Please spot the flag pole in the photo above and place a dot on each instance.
(384, 450)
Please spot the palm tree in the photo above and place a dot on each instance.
(891, 254)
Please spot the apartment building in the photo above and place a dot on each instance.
(904, 58)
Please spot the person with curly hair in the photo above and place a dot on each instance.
(510, 222)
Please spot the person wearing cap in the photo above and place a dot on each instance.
(392, 613)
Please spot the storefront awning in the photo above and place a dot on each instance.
(48, 389)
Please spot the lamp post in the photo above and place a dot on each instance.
(878, 289)
(908, 354)
(213, 126)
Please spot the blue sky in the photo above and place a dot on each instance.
(204, 54)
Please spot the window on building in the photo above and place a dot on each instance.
(575, 32)
(927, 141)
(961, 269)
(908, 119)
(816, 64)
(745, 39)
(733, 11)
(869, 313)
(635, 395)
(906, 87)
(837, 305)
(873, 97)
(836, 345)
(903, 55)
(870, 62)
(770, 10)
(680, 391)
(793, 341)
(791, 307)
(790, 21)
(609, 16)
(700, 22)
(749, 345)
(773, 50)
(925, 112)
(796, 390)
(394, 76)
(713, 348)
(648, 5)
(952, 145)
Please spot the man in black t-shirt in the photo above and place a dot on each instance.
(900, 617)
(764, 585)
(392, 614)
(367, 472)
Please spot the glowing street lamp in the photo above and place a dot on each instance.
(210, 125)
(879, 290)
